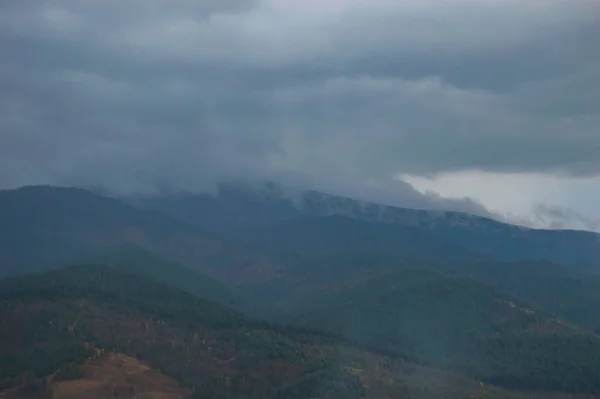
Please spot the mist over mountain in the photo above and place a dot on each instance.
(385, 301)
(237, 206)
(269, 199)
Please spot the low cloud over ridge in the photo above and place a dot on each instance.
(180, 94)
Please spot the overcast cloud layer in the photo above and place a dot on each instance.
(344, 95)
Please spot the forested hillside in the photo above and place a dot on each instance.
(460, 324)
(68, 324)
(379, 309)
(55, 320)
(237, 206)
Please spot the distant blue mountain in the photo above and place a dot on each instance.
(243, 206)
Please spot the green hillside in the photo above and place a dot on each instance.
(135, 260)
(322, 253)
(316, 237)
(573, 294)
(402, 313)
(54, 322)
(329, 253)
(463, 325)
(44, 227)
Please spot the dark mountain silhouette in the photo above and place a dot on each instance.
(236, 206)
(47, 226)
(341, 235)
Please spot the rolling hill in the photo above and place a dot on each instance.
(328, 236)
(462, 325)
(43, 227)
(333, 251)
(55, 320)
(134, 260)
(96, 330)
(50, 226)
(322, 253)
(401, 303)
(567, 292)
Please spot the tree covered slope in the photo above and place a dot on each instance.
(459, 324)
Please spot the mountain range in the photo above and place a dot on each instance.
(237, 205)
(258, 292)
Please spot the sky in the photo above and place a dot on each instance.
(484, 106)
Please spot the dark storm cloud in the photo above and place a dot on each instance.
(179, 94)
